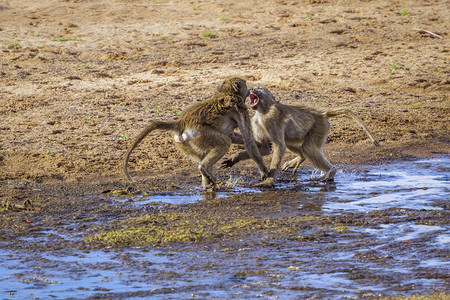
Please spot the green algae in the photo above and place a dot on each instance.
(436, 296)
(194, 226)
(175, 227)
(6, 205)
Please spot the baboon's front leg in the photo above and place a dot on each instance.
(278, 151)
(237, 138)
(263, 148)
(277, 156)
(294, 164)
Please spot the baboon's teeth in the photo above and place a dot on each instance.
(253, 99)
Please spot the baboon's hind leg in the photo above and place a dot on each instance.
(328, 176)
(319, 161)
(296, 162)
(214, 155)
(314, 153)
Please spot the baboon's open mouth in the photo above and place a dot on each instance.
(254, 99)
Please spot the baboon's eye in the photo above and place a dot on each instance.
(237, 86)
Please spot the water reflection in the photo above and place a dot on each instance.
(412, 184)
(421, 184)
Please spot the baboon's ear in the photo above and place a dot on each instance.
(236, 86)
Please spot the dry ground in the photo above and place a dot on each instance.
(80, 79)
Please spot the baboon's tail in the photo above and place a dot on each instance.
(152, 126)
(348, 112)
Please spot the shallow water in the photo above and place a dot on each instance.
(409, 231)
(254, 271)
(179, 197)
(364, 260)
(409, 184)
(76, 275)
(414, 185)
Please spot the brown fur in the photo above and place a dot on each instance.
(299, 129)
(210, 124)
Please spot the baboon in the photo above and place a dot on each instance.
(300, 129)
(203, 131)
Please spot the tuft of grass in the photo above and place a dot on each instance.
(340, 228)
(208, 34)
(14, 45)
(162, 36)
(398, 67)
(159, 108)
(223, 18)
(35, 34)
(322, 100)
(66, 39)
(404, 12)
(123, 137)
(51, 153)
(437, 70)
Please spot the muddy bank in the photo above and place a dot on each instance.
(301, 239)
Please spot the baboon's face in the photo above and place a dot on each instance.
(260, 94)
(235, 85)
(241, 87)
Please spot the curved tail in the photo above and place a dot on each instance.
(348, 112)
(152, 126)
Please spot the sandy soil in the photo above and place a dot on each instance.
(80, 79)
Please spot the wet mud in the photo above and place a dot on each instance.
(80, 79)
(384, 238)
